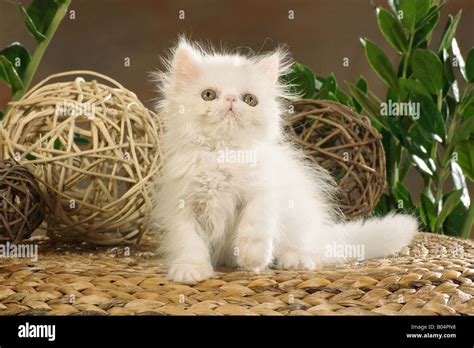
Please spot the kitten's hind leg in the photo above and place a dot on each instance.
(294, 254)
(302, 241)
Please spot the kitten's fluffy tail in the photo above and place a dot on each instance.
(378, 237)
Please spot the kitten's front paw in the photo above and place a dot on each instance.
(253, 254)
(292, 259)
(190, 273)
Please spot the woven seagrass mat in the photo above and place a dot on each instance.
(433, 276)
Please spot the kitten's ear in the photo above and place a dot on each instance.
(270, 66)
(185, 62)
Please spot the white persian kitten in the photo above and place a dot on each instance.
(233, 192)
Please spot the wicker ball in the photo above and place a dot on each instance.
(95, 150)
(344, 143)
(22, 205)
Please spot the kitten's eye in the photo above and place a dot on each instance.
(250, 99)
(208, 95)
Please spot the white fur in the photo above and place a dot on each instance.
(252, 215)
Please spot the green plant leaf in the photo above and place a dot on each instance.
(453, 224)
(380, 63)
(426, 26)
(466, 108)
(449, 78)
(391, 30)
(459, 182)
(420, 146)
(1, 115)
(328, 89)
(412, 11)
(57, 142)
(432, 12)
(430, 121)
(370, 104)
(465, 154)
(361, 84)
(470, 66)
(318, 82)
(428, 69)
(421, 165)
(18, 56)
(459, 58)
(42, 13)
(427, 211)
(448, 68)
(464, 131)
(330, 84)
(343, 98)
(80, 139)
(395, 127)
(383, 206)
(301, 81)
(30, 24)
(332, 96)
(9, 75)
(38, 17)
(449, 203)
(449, 32)
(416, 144)
(403, 198)
(408, 86)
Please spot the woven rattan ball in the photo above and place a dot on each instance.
(95, 150)
(22, 205)
(344, 143)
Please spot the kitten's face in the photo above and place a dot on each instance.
(223, 97)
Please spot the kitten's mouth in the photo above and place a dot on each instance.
(229, 113)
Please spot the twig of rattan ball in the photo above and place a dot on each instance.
(22, 207)
(345, 144)
(95, 150)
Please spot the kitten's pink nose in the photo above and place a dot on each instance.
(231, 99)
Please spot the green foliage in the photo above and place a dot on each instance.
(10, 75)
(38, 16)
(470, 66)
(436, 137)
(392, 30)
(301, 81)
(380, 63)
(428, 69)
(17, 67)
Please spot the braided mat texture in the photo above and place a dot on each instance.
(433, 276)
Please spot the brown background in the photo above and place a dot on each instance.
(322, 33)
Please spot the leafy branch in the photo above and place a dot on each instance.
(17, 66)
(436, 136)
